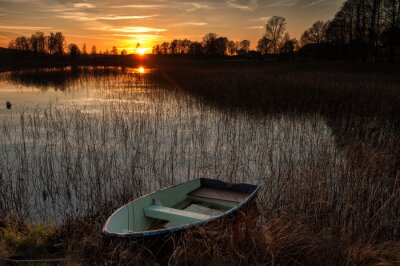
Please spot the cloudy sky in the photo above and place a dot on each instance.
(125, 22)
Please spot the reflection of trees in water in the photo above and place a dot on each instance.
(59, 78)
(62, 78)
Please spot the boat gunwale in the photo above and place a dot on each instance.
(179, 228)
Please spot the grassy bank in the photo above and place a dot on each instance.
(321, 138)
(281, 240)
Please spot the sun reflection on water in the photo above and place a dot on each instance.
(140, 70)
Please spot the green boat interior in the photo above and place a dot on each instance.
(183, 204)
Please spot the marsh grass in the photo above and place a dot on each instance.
(323, 141)
(17, 236)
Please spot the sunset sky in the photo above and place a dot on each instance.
(124, 23)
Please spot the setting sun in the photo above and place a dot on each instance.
(141, 69)
(141, 51)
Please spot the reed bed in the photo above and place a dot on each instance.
(330, 178)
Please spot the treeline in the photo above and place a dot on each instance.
(370, 29)
(275, 41)
(212, 44)
(365, 30)
(55, 44)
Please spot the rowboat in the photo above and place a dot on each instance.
(179, 208)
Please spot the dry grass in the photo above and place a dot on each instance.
(282, 240)
(16, 236)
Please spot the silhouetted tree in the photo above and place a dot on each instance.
(73, 50)
(367, 28)
(315, 34)
(20, 43)
(174, 47)
(274, 30)
(289, 46)
(124, 52)
(214, 45)
(156, 49)
(245, 45)
(114, 50)
(51, 43)
(209, 43)
(185, 46)
(56, 43)
(11, 44)
(196, 48)
(84, 51)
(94, 50)
(221, 44)
(164, 48)
(60, 43)
(232, 48)
(38, 42)
(264, 46)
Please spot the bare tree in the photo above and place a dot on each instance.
(174, 47)
(21, 43)
(264, 45)
(221, 45)
(12, 45)
(195, 48)
(185, 45)
(164, 48)
(289, 46)
(315, 34)
(245, 45)
(38, 42)
(60, 43)
(232, 48)
(274, 30)
(367, 28)
(73, 50)
(209, 43)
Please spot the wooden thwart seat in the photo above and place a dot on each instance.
(174, 215)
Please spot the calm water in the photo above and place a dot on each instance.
(79, 139)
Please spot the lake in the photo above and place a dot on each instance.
(77, 140)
